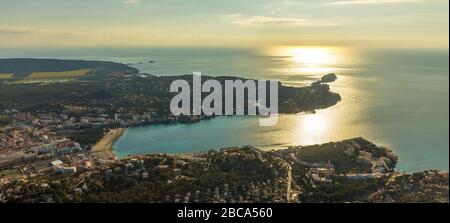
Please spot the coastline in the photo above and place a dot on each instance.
(103, 149)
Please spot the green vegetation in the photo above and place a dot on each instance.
(343, 190)
(137, 94)
(338, 153)
(88, 136)
(6, 76)
(121, 185)
(57, 75)
(424, 187)
(133, 93)
(335, 153)
(25, 67)
(7, 173)
(38, 77)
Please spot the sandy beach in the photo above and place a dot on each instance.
(103, 149)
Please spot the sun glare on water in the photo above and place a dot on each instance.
(312, 56)
(311, 128)
(310, 63)
(311, 60)
(314, 124)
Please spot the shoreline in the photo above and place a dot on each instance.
(103, 149)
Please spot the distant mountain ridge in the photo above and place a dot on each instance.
(22, 67)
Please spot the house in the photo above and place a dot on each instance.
(64, 170)
(56, 163)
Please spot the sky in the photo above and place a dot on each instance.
(225, 23)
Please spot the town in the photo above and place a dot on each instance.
(234, 175)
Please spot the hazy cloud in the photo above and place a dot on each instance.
(10, 30)
(367, 2)
(130, 1)
(240, 19)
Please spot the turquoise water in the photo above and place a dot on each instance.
(398, 99)
(395, 98)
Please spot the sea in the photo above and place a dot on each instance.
(396, 98)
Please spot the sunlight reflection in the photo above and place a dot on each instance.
(316, 70)
(311, 128)
(310, 59)
(312, 56)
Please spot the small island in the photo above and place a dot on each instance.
(329, 78)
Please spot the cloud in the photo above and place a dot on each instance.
(10, 30)
(368, 2)
(240, 19)
(130, 1)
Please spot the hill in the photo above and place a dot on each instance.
(24, 67)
